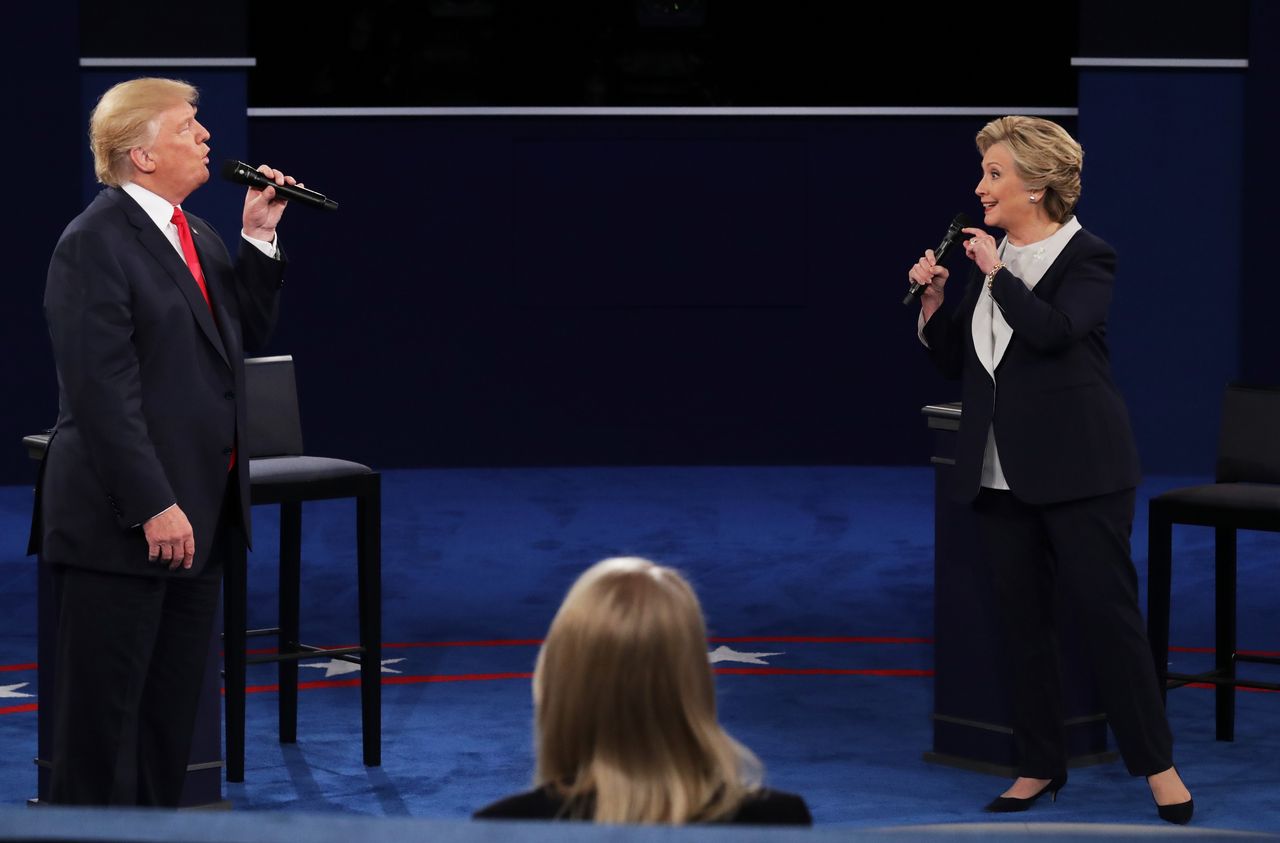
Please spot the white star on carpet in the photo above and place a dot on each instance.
(727, 654)
(338, 667)
(11, 692)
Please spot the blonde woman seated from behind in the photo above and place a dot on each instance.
(625, 713)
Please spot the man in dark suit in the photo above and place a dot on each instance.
(143, 489)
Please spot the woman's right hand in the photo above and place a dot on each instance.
(932, 277)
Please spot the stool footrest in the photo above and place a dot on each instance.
(1258, 659)
(306, 651)
(250, 633)
(1177, 680)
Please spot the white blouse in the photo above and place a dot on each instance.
(991, 333)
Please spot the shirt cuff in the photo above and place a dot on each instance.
(920, 329)
(269, 248)
(158, 514)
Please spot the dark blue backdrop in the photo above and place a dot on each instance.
(663, 290)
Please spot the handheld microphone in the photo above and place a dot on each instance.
(953, 233)
(241, 173)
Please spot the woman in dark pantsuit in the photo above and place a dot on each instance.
(1045, 454)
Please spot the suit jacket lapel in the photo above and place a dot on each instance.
(1057, 270)
(162, 250)
(1048, 284)
(212, 267)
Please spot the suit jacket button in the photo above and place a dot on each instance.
(226, 452)
(229, 395)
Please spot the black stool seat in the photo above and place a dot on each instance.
(279, 473)
(1217, 501)
(1246, 497)
(266, 470)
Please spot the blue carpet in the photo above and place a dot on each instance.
(781, 556)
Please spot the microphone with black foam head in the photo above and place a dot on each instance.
(241, 173)
(953, 233)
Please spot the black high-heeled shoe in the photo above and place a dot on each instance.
(1012, 804)
(1179, 812)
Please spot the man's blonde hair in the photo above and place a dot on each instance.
(127, 116)
(625, 707)
(1046, 156)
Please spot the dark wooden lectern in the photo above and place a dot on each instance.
(972, 702)
(203, 786)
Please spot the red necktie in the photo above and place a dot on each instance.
(193, 263)
(189, 251)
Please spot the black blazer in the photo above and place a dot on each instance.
(1061, 426)
(150, 384)
(764, 807)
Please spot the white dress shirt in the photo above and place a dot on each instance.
(161, 212)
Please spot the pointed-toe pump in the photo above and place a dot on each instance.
(1178, 813)
(1012, 804)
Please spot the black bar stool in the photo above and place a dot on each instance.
(280, 474)
(1246, 496)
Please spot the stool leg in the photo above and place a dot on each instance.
(369, 553)
(1225, 632)
(1159, 581)
(290, 577)
(234, 626)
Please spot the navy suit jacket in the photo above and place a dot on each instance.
(1060, 423)
(151, 384)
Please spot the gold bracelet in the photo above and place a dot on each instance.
(991, 276)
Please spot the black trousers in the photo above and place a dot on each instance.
(131, 654)
(1082, 548)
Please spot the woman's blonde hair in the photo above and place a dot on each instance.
(1046, 156)
(127, 116)
(625, 706)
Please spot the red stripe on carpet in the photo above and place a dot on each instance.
(742, 639)
(15, 709)
(816, 671)
(820, 639)
(395, 680)
(789, 639)
(719, 639)
(400, 645)
(501, 642)
(457, 677)
(1268, 653)
(1211, 685)
(485, 677)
